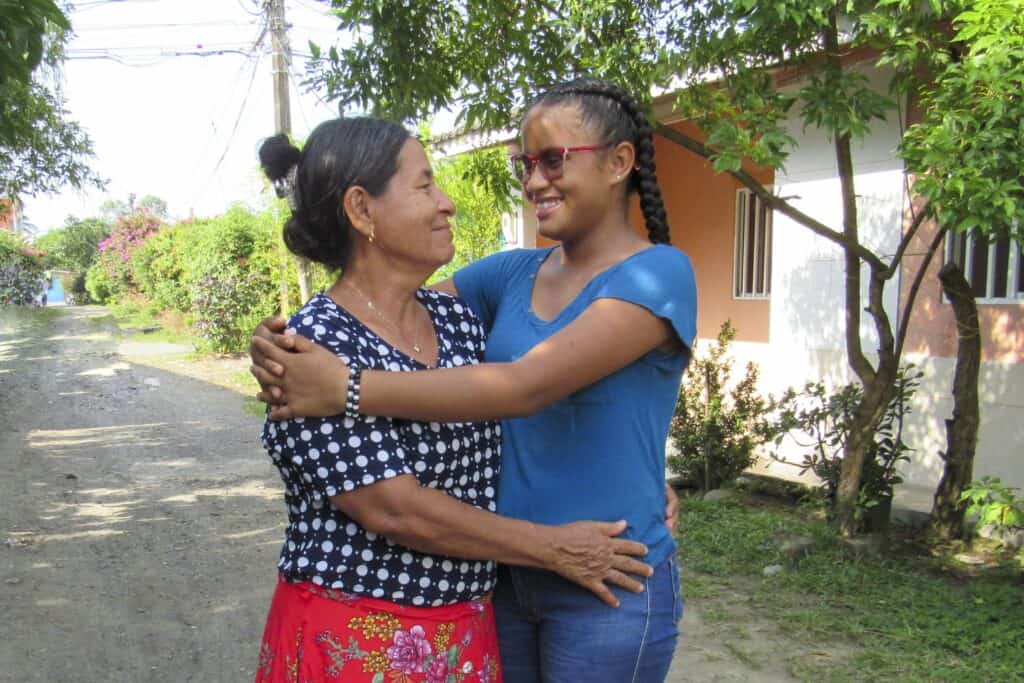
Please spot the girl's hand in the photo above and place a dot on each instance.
(671, 508)
(298, 377)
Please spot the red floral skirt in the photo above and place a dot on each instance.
(319, 634)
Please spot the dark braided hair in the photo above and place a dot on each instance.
(338, 154)
(617, 117)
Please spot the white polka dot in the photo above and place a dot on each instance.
(326, 428)
(383, 456)
(382, 574)
(330, 525)
(306, 435)
(362, 570)
(403, 578)
(361, 461)
(327, 546)
(424, 582)
(427, 562)
(367, 556)
(354, 441)
(351, 529)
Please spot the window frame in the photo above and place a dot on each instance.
(746, 288)
(1015, 262)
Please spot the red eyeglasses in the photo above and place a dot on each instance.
(550, 161)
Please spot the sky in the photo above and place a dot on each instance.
(184, 128)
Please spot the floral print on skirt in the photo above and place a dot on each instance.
(317, 634)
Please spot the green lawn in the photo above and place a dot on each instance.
(906, 617)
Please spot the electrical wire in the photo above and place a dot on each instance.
(234, 128)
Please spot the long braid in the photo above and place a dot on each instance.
(622, 119)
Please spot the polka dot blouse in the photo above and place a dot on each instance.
(322, 457)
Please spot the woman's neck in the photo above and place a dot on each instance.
(385, 285)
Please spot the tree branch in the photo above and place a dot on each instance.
(908, 306)
(894, 265)
(776, 203)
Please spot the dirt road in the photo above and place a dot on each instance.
(140, 521)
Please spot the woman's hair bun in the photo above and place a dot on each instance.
(277, 156)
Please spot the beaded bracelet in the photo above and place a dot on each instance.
(355, 374)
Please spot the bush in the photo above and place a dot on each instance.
(115, 254)
(100, 287)
(159, 268)
(714, 431)
(22, 278)
(226, 307)
(819, 422)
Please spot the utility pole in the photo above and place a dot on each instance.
(281, 52)
(281, 61)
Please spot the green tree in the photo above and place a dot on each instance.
(477, 224)
(961, 61)
(75, 245)
(41, 148)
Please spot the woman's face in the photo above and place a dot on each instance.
(412, 216)
(581, 197)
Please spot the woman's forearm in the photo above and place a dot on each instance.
(433, 522)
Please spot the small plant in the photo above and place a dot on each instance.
(820, 423)
(715, 430)
(994, 503)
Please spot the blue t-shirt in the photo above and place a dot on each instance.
(600, 453)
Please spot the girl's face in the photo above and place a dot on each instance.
(412, 216)
(582, 196)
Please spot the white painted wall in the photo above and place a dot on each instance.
(807, 337)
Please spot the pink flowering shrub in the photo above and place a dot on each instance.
(115, 257)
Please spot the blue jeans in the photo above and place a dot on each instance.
(553, 631)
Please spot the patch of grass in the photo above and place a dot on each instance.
(898, 618)
(145, 322)
(29, 316)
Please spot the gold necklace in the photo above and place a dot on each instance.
(376, 311)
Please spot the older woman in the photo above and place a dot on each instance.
(388, 560)
(587, 342)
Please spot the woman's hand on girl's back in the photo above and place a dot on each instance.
(589, 554)
(297, 377)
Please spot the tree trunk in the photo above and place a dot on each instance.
(947, 518)
(855, 453)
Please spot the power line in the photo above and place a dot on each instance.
(238, 119)
(126, 27)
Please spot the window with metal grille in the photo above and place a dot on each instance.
(992, 264)
(752, 258)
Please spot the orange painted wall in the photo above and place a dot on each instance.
(932, 328)
(701, 207)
